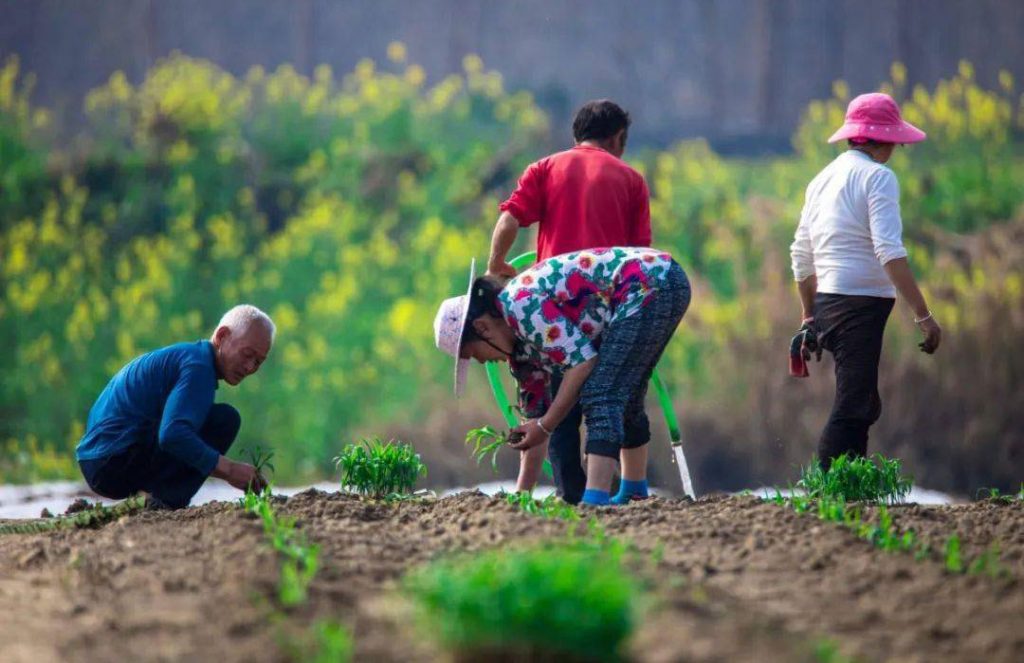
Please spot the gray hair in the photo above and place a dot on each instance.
(239, 318)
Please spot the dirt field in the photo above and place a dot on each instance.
(740, 580)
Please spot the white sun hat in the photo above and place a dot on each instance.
(449, 324)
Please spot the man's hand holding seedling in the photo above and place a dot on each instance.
(240, 475)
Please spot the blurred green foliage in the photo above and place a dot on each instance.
(349, 207)
(346, 209)
(572, 600)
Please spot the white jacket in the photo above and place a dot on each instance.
(850, 226)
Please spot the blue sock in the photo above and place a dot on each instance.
(628, 489)
(595, 497)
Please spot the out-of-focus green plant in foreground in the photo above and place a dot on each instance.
(347, 207)
(571, 600)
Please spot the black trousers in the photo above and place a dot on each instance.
(564, 452)
(851, 328)
(145, 466)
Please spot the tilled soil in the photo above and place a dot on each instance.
(738, 580)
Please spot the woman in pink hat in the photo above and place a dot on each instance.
(602, 317)
(849, 263)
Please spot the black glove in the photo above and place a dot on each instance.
(809, 341)
(804, 343)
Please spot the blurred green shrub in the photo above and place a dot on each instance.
(572, 601)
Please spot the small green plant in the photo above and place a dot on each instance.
(296, 574)
(875, 480)
(996, 495)
(566, 599)
(332, 642)
(379, 469)
(549, 507)
(987, 563)
(254, 502)
(325, 641)
(486, 441)
(827, 651)
(884, 535)
(954, 561)
(260, 458)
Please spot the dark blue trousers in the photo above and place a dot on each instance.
(146, 467)
(613, 395)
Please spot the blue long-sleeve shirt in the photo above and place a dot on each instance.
(165, 396)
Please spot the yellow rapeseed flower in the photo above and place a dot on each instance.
(472, 64)
(396, 52)
(898, 72)
(414, 75)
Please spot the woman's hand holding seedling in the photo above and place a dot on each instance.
(537, 432)
(528, 435)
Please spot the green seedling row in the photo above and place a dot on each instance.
(325, 641)
(998, 496)
(94, 517)
(875, 481)
(299, 557)
(379, 470)
(549, 507)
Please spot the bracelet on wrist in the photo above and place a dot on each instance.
(541, 427)
(918, 321)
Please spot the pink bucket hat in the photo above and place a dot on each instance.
(449, 324)
(876, 116)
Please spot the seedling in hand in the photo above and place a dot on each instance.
(260, 458)
(487, 440)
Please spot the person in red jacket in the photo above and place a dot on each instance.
(585, 197)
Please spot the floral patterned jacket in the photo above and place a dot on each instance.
(560, 307)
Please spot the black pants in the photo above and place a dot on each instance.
(564, 451)
(145, 466)
(851, 328)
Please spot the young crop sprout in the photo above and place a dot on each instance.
(954, 562)
(996, 495)
(486, 441)
(549, 507)
(260, 458)
(379, 469)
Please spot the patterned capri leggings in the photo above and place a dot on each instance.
(613, 395)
